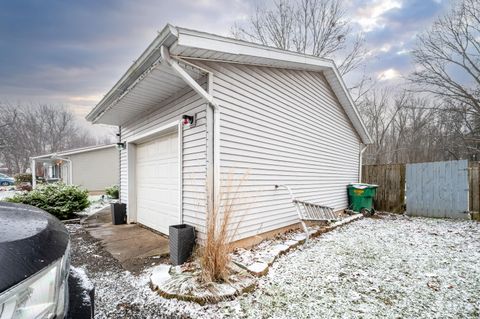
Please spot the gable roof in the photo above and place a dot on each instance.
(131, 95)
(75, 151)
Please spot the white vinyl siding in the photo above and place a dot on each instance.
(97, 177)
(282, 126)
(193, 152)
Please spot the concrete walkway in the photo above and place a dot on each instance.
(127, 243)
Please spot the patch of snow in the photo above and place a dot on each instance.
(160, 274)
(258, 267)
(97, 203)
(80, 274)
(7, 193)
(85, 283)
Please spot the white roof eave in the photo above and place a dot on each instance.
(191, 44)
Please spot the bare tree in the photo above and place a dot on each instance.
(380, 112)
(410, 128)
(31, 130)
(316, 27)
(447, 58)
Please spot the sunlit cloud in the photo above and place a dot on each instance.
(388, 74)
(403, 51)
(386, 47)
(370, 17)
(85, 98)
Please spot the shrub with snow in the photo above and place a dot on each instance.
(60, 200)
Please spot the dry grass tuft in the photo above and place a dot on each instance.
(215, 255)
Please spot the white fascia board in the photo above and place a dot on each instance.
(207, 41)
(85, 149)
(46, 156)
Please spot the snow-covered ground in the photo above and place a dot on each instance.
(97, 203)
(390, 268)
(7, 192)
(373, 268)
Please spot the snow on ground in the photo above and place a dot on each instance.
(6, 192)
(377, 268)
(97, 203)
(373, 268)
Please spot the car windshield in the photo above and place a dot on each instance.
(3, 175)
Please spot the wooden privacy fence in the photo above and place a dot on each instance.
(438, 189)
(474, 186)
(392, 182)
(391, 179)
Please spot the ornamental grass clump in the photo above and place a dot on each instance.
(215, 255)
(58, 199)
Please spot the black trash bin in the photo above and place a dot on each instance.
(181, 240)
(119, 213)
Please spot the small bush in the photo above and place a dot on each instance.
(23, 178)
(27, 187)
(112, 191)
(60, 200)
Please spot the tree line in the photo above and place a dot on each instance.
(433, 116)
(32, 130)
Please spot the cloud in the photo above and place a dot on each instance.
(73, 52)
(390, 29)
(370, 16)
(388, 74)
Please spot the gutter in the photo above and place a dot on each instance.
(207, 96)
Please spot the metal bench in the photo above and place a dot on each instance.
(309, 211)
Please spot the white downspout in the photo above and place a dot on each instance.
(70, 172)
(34, 173)
(360, 161)
(216, 112)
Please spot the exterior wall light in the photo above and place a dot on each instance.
(189, 120)
(120, 146)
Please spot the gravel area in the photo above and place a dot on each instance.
(386, 267)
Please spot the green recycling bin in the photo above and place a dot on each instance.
(360, 198)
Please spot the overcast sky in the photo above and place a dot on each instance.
(73, 52)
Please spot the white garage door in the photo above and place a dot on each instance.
(157, 182)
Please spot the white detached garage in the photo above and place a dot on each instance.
(281, 117)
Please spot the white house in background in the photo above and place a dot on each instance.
(93, 168)
(278, 116)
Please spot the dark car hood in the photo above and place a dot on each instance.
(30, 240)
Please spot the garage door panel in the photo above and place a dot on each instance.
(157, 184)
